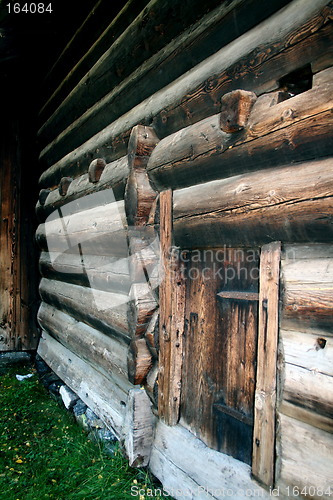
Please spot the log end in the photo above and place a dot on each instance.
(64, 185)
(235, 110)
(96, 169)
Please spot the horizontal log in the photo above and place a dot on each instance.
(125, 54)
(308, 389)
(141, 307)
(307, 270)
(272, 134)
(105, 353)
(98, 25)
(139, 361)
(99, 272)
(257, 207)
(311, 349)
(306, 459)
(308, 251)
(177, 459)
(309, 417)
(231, 67)
(112, 181)
(311, 302)
(102, 310)
(99, 392)
(100, 230)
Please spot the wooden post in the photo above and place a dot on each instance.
(172, 304)
(265, 395)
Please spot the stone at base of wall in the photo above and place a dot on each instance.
(8, 359)
(84, 416)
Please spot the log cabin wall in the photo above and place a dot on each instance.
(208, 126)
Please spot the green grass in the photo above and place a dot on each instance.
(45, 454)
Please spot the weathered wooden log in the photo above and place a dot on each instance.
(307, 251)
(64, 184)
(106, 33)
(235, 110)
(306, 459)
(292, 129)
(141, 307)
(96, 168)
(311, 349)
(307, 290)
(143, 244)
(100, 231)
(124, 56)
(139, 361)
(227, 70)
(101, 272)
(178, 455)
(139, 426)
(102, 310)
(102, 394)
(112, 181)
(151, 385)
(312, 303)
(257, 207)
(305, 415)
(308, 389)
(139, 194)
(104, 352)
(151, 334)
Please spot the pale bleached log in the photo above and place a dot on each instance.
(306, 251)
(178, 455)
(104, 352)
(99, 392)
(311, 349)
(305, 415)
(311, 270)
(94, 271)
(113, 178)
(99, 231)
(102, 310)
(138, 428)
(290, 21)
(257, 207)
(308, 389)
(306, 459)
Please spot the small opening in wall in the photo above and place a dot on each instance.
(297, 81)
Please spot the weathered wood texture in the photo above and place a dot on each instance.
(230, 68)
(98, 231)
(139, 198)
(306, 462)
(100, 393)
(220, 349)
(105, 353)
(290, 130)
(257, 207)
(265, 395)
(138, 428)
(99, 272)
(308, 294)
(102, 310)
(179, 458)
(89, 43)
(149, 32)
(18, 299)
(112, 180)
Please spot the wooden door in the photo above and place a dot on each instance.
(219, 367)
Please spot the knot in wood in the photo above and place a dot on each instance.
(288, 114)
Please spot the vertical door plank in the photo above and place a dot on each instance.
(172, 303)
(265, 395)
